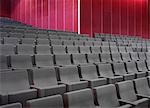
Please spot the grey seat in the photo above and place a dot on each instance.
(127, 94)
(68, 42)
(79, 59)
(105, 57)
(3, 62)
(126, 57)
(105, 44)
(25, 49)
(88, 43)
(122, 49)
(55, 42)
(148, 64)
(105, 49)
(114, 49)
(13, 41)
(148, 55)
(16, 35)
(42, 35)
(15, 87)
(93, 58)
(21, 61)
(106, 71)
(58, 49)
(43, 42)
(106, 97)
(62, 59)
(142, 87)
(13, 105)
(97, 43)
(79, 43)
(44, 60)
(134, 56)
(95, 49)
(69, 75)
(119, 69)
(85, 50)
(28, 41)
(72, 49)
(79, 99)
(45, 81)
(55, 101)
(7, 49)
(141, 65)
(129, 49)
(30, 35)
(131, 68)
(43, 49)
(116, 57)
(89, 73)
(142, 55)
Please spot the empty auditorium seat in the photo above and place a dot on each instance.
(105, 57)
(142, 55)
(119, 69)
(43, 49)
(15, 87)
(15, 35)
(106, 97)
(28, 41)
(141, 65)
(43, 42)
(44, 60)
(7, 49)
(97, 43)
(134, 56)
(129, 49)
(68, 42)
(25, 49)
(72, 49)
(88, 43)
(105, 49)
(148, 55)
(116, 57)
(57, 49)
(126, 57)
(89, 73)
(42, 35)
(45, 81)
(21, 61)
(55, 101)
(3, 62)
(93, 58)
(105, 43)
(79, 43)
(69, 75)
(95, 49)
(84, 49)
(131, 68)
(11, 41)
(79, 59)
(122, 49)
(106, 71)
(142, 87)
(79, 99)
(148, 64)
(127, 95)
(13, 105)
(30, 35)
(55, 42)
(114, 49)
(62, 59)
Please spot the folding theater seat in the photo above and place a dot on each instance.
(69, 75)
(4, 34)
(13, 41)
(105, 57)
(3, 62)
(129, 49)
(119, 69)
(43, 49)
(68, 42)
(43, 42)
(134, 56)
(97, 43)
(95, 49)
(16, 35)
(148, 64)
(116, 57)
(126, 57)
(42, 35)
(55, 42)
(45, 81)
(105, 49)
(114, 49)
(62, 59)
(142, 87)
(79, 99)
(15, 87)
(142, 55)
(55, 101)
(28, 41)
(25, 49)
(7, 49)
(72, 49)
(105, 43)
(44, 60)
(30, 35)
(141, 65)
(127, 95)
(113, 44)
(88, 43)
(131, 68)
(105, 70)
(89, 73)
(57, 49)
(122, 49)
(106, 97)
(79, 59)
(93, 58)
(13, 105)
(21, 61)
(84, 50)
(148, 55)
(79, 43)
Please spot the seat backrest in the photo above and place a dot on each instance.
(107, 96)
(79, 58)
(129, 49)
(55, 101)
(105, 43)
(148, 55)
(11, 41)
(7, 49)
(126, 91)
(142, 86)
(97, 43)
(134, 56)
(116, 57)
(114, 49)
(28, 41)
(25, 49)
(119, 68)
(69, 74)
(3, 62)
(141, 65)
(88, 43)
(55, 42)
(79, 99)
(148, 64)
(79, 43)
(85, 50)
(44, 60)
(105, 49)
(105, 57)
(142, 55)
(126, 57)
(93, 58)
(58, 49)
(68, 42)
(122, 49)
(131, 67)
(30, 35)
(89, 72)
(72, 49)
(13, 81)
(95, 49)
(43, 49)
(62, 59)
(44, 77)
(105, 70)
(42, 35)
(43, 42)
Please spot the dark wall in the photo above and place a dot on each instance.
(5, 8)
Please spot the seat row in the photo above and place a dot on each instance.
(126, 94)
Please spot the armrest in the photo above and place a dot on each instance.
(141, 96)
(126, 102)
